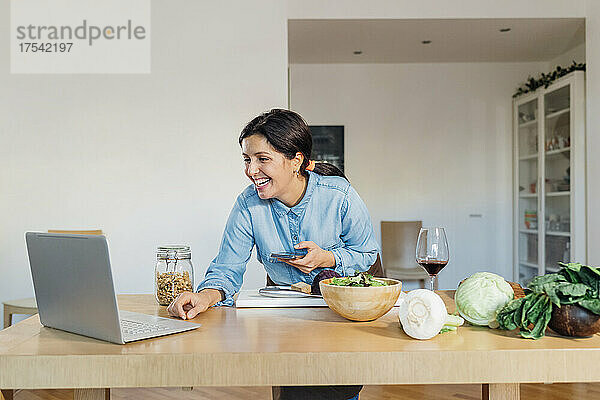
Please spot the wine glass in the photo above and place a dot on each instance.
(432, 251)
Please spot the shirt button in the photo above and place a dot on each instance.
(295, 237)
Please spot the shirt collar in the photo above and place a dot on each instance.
(281, 209)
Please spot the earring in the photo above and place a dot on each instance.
(297, 172)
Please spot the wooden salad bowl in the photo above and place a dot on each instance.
(574, 320)
(361, 303)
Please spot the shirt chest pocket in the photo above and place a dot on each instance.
(333, 245)
(325, 235)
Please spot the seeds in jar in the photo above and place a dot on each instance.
(170, 284)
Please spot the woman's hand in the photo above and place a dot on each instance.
(187, 305)
(315, 258)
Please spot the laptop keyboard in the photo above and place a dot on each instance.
(135, 328)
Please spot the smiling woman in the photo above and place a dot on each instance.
(271, 172)
(291, 204)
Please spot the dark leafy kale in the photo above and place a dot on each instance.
(573, 284)
(324, 274)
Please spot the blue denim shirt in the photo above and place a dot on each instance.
(331, 214)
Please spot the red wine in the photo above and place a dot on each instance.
(433, 267)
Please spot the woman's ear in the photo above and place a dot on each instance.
(298, 160)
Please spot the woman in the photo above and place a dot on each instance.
(284, 210)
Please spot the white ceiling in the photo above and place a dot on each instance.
(452, 40)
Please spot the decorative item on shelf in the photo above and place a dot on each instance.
(556, 185)
(532, 187)
(546, 79)
(563, 132)
(552, 224)
(557, 142)
(563, 186)
(551, 143)
(530, 219)
(526, 117)
(562, 142)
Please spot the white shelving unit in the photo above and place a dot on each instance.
(549, 213)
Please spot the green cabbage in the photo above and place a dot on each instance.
(480, 296)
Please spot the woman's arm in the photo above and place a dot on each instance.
(360, 248)
(226, 271)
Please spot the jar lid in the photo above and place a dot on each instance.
(173, 252)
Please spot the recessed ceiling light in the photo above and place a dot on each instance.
(357, 52)
(426, 41)
(504, 29)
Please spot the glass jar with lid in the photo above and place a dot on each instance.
(173, 273)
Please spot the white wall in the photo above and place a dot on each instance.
(151, 159)
(428, 142)
(577, 54)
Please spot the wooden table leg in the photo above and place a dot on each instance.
(504, 391)
(485, 391)
(91, 394)
(7, 394)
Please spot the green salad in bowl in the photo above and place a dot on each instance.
(362, 279)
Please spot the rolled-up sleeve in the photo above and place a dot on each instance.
(226, 271)
(360, 248)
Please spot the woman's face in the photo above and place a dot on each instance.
(272, 174)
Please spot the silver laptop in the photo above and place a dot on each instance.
(74, 290)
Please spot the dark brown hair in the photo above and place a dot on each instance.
(289, 134)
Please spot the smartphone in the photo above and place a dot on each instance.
(289, 255)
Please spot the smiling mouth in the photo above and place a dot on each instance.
(259, 183)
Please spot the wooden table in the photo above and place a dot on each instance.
(309, 346)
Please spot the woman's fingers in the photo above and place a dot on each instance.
(307, 245)
(196, 310)
(175, 309)
(298, 262)
(304, 268)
